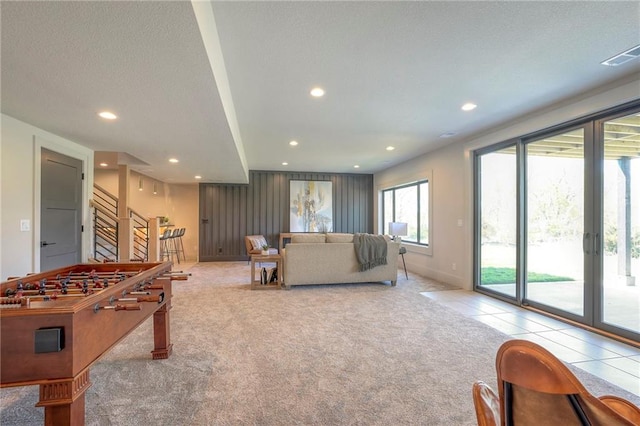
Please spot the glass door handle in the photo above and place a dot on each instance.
(596, 244)
(586, 238)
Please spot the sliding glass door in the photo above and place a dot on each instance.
(555, 205)
(497, 215)
(557, 221)
(619, 295)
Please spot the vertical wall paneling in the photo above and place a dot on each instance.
(228, 212)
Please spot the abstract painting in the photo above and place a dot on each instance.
(311, 206)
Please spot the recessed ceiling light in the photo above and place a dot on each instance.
(356, 166)
(284, 163)
(448, 134)
(469, 106)
(293, 143)
(173, 160)
(107, 115)
(198, 177)
(390, 148)
(103, 164)
(317, 92)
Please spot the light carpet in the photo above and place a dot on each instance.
(353, 354)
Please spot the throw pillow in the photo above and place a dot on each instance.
(339, 238)
(258, 242)
(308, 238)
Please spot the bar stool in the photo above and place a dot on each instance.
(179, 245)
(164, 244)
(172, 247)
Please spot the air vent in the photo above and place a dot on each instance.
(623, 57)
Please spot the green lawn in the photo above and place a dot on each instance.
(493, 275)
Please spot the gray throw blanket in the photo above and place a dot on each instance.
(371, 250)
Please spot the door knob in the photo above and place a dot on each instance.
(44, 243)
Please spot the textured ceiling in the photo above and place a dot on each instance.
(224, 86)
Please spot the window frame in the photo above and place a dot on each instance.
(386, 217)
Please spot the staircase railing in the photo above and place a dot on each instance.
(140, 236)
(104, 199)
(105, 233)
(106, 225)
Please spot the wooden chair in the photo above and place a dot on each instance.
(536, 388)
(256, 249)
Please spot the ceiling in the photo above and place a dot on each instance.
(224, 86)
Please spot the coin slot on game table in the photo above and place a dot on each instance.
(49, 340)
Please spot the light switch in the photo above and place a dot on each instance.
(25, 225)
(460, 223)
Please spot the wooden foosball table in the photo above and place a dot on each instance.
(56, 324)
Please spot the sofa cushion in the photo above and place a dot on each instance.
(307, 238)
(339, 238)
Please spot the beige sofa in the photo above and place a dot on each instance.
(331, 259)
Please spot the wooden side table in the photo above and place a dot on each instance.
(274, 258)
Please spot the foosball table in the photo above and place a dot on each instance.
(56, 324)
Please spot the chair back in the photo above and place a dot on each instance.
(248, 242)
(536, 388)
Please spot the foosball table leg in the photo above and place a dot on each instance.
(68, 414)
(161, 333)
(63, 400)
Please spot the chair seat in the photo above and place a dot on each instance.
(271, 251)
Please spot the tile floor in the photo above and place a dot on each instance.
(609, 359)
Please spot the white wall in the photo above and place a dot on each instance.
(452, 182)
(20, 148)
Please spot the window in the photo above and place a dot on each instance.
(408, 203)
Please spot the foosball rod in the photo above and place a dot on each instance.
(48, 291)
(25, 300)
(141, 299)
(114, 272)
(97, 274)
(178, 276)
(127, 307)
(70, 284)
(55, 282)
(55, 296)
